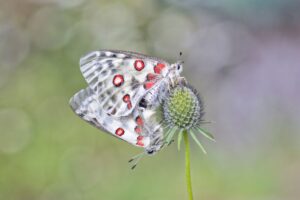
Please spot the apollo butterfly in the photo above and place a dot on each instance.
(124, 88)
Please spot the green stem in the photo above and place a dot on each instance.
(188, 165)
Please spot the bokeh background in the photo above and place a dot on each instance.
(242, 55)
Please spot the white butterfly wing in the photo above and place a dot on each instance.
(130, 128)
(120, 79)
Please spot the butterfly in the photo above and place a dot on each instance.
(124, 90)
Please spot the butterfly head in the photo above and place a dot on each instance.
(154, 148)
(175, 72)
(178, 67)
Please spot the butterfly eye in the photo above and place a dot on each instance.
(178, 67)
(150, 152)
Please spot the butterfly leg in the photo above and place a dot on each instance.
(182, 81)
(171, 142)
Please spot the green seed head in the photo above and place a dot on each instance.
(183, 108)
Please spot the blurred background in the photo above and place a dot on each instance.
(243, 56)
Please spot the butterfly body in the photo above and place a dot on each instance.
(124, 90)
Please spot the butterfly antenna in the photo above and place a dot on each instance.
(136, 159)
(168, 136)
(180, 55)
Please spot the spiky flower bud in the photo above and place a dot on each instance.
(183, 108)
(183, 112)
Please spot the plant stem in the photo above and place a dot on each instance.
(188, 165)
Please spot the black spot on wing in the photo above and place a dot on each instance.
(134, 83)
(109, 92)
(100, 85)
(143, 103)
(109, 63)
(104, 73)
(113, 71)
(102, 96)
(113, 98)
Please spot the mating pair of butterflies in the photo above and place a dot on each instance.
(124, 90)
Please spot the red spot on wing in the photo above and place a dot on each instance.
(138, 130)
(139, 65)
(129, 105)
(158, 68)
(148, 85)
(119, 132)
(118, 80)
(139, 121)
(126, 98)
(140, 141)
